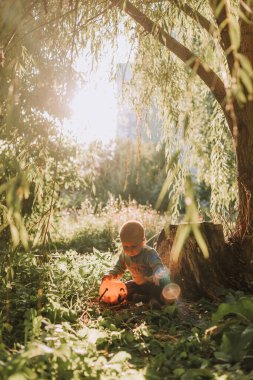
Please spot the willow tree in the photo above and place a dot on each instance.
(228, 26)
(213, 39)
(231, 26)
(204, 40)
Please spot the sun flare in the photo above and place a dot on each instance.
(94, 113)
(94, 106)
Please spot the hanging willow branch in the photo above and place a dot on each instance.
(221, 15)
(209, 77)
(192, 13)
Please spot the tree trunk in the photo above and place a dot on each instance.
(200, 277)
(244, 148)
(244, 156)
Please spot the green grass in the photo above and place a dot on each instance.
(52, 326)
(76, 338)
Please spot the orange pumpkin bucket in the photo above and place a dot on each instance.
(112, 292)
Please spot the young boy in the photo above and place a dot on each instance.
(148, 273)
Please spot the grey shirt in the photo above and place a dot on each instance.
(141, 266)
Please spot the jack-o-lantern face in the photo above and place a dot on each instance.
(112, 292)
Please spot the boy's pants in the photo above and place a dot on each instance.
(148, 289)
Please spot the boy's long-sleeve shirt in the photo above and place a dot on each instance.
(146, 264)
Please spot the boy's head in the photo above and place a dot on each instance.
(132, 236)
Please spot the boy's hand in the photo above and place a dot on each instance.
(157, 277)
(159, 274)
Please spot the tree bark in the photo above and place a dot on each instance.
(200, 277)
(244, 156)
(196, 275)
(244, 147)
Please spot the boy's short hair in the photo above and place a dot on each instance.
(132, 231)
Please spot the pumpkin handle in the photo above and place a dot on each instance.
(102, 295)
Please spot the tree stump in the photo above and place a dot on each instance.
(197, 276)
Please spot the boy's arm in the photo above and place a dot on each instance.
(159, 272)
(118, 270)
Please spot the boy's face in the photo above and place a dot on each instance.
(132, 248)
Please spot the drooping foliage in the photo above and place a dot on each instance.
(196, 120)
(36, 84)
(40, 42)
(212, 39)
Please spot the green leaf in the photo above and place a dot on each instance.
(240, 96)
(120, 357)
(179, 371)
(242, 308)
(247, 337)
(24, 236)
(235, 33)
(94, 335)
(218, 9)
(243, 16)
(167, 183)
(17, 376)
(200, 240)
(82, 332)
(232, 348)
(14, 235)
(245, 63)
(246, 80)
(198, 374)
(222, 356)
(170, 309)
(180, 239)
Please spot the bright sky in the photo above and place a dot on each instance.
(94, 106)
(94, 112)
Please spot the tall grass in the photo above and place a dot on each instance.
(98, 227)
